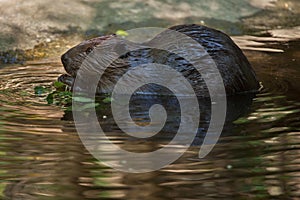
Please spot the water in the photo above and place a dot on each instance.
(257, 157)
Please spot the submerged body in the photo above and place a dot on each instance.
(237, 73)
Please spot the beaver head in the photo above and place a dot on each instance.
(74, 57)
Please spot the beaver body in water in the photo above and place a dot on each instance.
(237, 73)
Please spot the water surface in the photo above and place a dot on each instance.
(257, 156)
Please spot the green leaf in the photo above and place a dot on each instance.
(50, 98)
(89, 105)
(83, 99)
(107, 100)
(122, 33)
(38, 90)
(82, 107)
(59, 85)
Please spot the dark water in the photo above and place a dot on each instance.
(257, 157)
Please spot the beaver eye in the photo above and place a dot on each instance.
(88, 50)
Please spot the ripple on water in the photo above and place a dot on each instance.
(41, 156)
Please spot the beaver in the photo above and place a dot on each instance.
(235, 69)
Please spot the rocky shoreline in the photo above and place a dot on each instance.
(34, 28)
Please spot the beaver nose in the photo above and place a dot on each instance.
(65, 60)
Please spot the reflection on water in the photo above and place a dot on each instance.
(257, 157)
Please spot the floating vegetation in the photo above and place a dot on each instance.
(59, 94)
